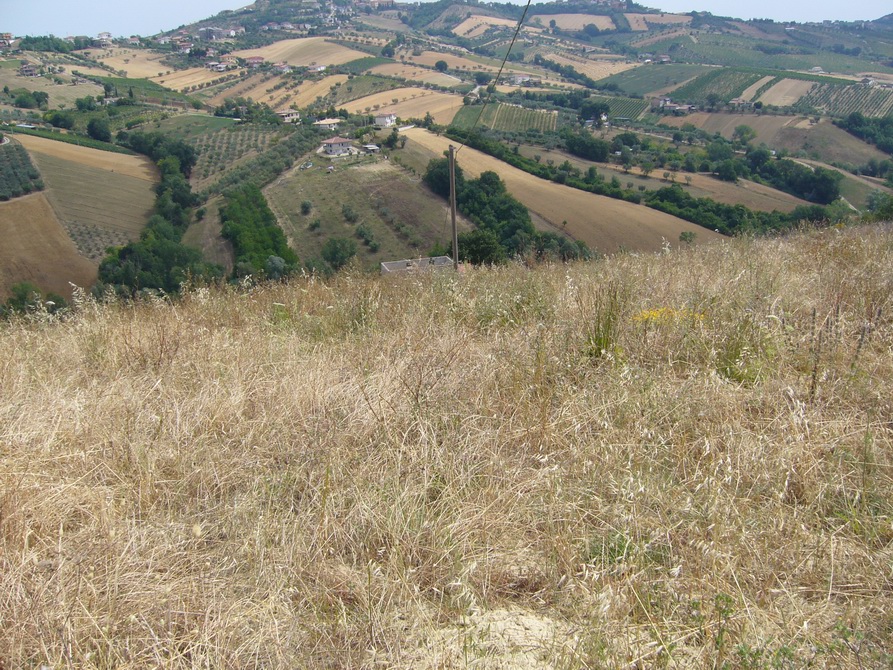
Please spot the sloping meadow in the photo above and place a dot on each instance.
(676, 459)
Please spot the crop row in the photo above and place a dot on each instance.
(725, 83)
(627, 108)
(18, 176)
(220, 149)
(838, 100)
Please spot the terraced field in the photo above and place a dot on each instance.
(181, 80)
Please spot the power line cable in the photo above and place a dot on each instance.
(498, 74)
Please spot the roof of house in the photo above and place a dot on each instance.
(337, 140)
(326, 122)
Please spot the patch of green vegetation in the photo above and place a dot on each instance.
(191, 126)
(360, 65)
(506, 118)
(361, 86)
(143, 89)
(724, 84)
(18, 176)
(650, 78)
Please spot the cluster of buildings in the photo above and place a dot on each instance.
(667, 105)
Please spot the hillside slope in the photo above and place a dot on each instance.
(674, 459)
(603, 223)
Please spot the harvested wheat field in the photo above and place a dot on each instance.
(787, 92)
(476, 25)
(594, 69)
(37, 249)
(137, 63)
(605, 224)
(412, 103)
(305, 51)
(307, 93)
(639, 22)
(138, 167)
(102, 199)
(751, 90)
(677, 460)
(573, 21)
(421, 74)
(184, 79)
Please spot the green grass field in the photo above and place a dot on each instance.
(404, 217)
(191, 126)
(360, 87)
(649, 78)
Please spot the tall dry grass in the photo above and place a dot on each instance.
(675, 460)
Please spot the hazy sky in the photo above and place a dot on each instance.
(147, 17)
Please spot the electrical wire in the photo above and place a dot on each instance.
(498, 74)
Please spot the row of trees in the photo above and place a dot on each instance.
(159, 260)
(18, 176)
(258, 242)
(878, 132)
(504, 227)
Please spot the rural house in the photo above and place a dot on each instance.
(289, 115)
(337, 146)
(385, 120)
(327, 124)
(254, 61)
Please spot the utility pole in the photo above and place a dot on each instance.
(453, 207)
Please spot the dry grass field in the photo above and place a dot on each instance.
(573, 21)
(455, 62)
(750, 194)
(411, 103)
(307, 93)
(184, 79)
(305, 51)
(37, 249)
(639, 22)
(677, 460)
(137, 63)
(137, 167)
(476, 25)
(102, 199)
(605, 224)
(595, 69)
(786, 92)
(416, 74)
(60, 94)
(767, 127)
(751, 90)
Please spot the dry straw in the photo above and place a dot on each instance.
(678, 460)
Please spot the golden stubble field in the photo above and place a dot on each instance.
(639, 22)
(36, 248)
(411, 103)
(605, 224)
(304, 52)
(181, 80)
(415, 73)
(476, 25)
(573, 21)
(101, 198)
(137, 63)
(787, 92)
(671, 460)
